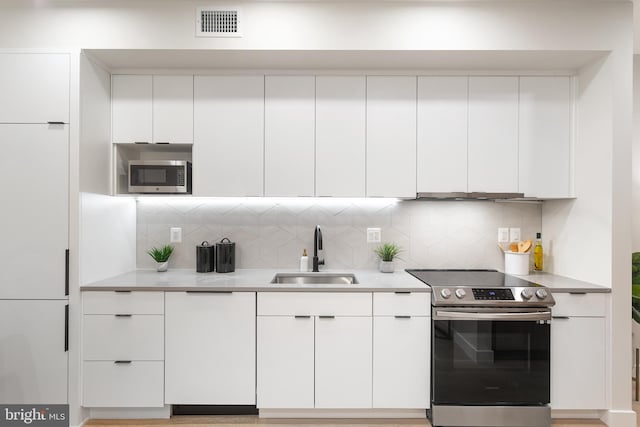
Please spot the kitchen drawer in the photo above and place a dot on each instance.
(401, 304)
(135, 384)
(111, 337)
(123, 302)
(580, 305)
(314, 304)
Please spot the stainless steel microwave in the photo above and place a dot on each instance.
(160, 176)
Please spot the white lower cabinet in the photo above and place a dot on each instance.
(578, 359)
(343, 350)
(343, 362)
(33, 358)
(285, 362)
(123, 383)
(210, 348)
(123, 349)
(401, 347)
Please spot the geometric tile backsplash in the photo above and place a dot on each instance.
(271, 233)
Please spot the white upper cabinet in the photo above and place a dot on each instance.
(493, 134)
(391, 136)
(131, 108)
(229, 136)
(340, 136)
(33, 245)
(173, 109)
(546, 121)
(442, 134)
(34, 88)
(152, 109)
(289, 135)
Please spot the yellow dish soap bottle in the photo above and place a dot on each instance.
(538, 253)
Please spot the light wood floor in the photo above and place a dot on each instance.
(241, 421)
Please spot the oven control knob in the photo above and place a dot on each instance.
(446, 293)
(526, 293)
(460, 293)
(541, 293)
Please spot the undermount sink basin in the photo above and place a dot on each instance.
(315, 279)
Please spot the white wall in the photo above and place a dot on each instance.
(636, 155)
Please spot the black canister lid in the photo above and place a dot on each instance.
(204, 244)
(228, 242)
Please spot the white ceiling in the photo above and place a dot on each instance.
(336, 60)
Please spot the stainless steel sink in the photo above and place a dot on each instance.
(314, 279)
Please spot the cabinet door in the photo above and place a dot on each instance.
(210, 355)
(442, 134)
(493, 134)
(391, 136)
(285, 362)
(340, 136)
(546, 122)
(36, 196)
(578, 363)
(289, 144)
(33, 359)
(131, 108)
(343, 362)
(34, 87)
(173, 109)
(228, 154)
(401, 353)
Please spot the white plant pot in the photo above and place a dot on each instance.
(162, 266)
(386, 266)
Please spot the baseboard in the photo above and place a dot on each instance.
(578, 414)
(614, 418)
(82, 423)
(129, 413)
(343, 413)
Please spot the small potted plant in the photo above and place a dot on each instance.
(161, 256)
(387, 252)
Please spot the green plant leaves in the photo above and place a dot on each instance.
(161, 254)
(388, 251)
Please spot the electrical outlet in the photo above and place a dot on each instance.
(503, 235)
(374, 235)
(175, 235)
(514, 234)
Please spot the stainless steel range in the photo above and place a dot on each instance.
(490, 349)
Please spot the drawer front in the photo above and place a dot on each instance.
(401, 304)
(314, 304)
(111, 337)
(123, 302)
(135, 384)
(580, 305)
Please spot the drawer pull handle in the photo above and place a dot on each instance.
(327, 317)
(140, 142)
(577, 293)
(123, 315)
(122, 292)
(209, 292)
(302, 317)
(55, 123)
(402, 317)
(402, 292)
(560, 317)
(122, 362)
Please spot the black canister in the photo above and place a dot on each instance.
(205, 258)
(226, 259)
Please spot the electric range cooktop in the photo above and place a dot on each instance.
(478, 287)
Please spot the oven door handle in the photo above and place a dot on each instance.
(462, 315)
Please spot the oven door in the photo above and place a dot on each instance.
(494, 356)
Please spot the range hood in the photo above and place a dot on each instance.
(469, 196)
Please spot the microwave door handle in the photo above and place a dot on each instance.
(457, 315)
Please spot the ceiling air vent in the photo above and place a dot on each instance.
(218, 22)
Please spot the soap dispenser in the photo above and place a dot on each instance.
(304, 261)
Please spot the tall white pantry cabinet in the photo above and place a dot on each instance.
(34, 138)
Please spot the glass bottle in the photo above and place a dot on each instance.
(538, 253)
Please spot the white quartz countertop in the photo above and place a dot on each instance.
(253, 280)
(561, 284)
